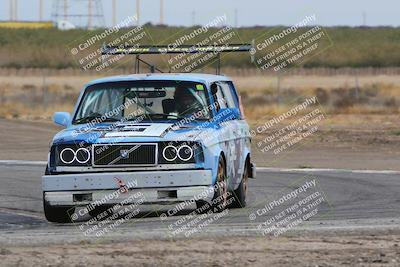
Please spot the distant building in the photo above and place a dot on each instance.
(26, 24)
(65, 25)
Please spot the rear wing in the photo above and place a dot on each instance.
(168, 49)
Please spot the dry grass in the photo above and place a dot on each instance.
(261, 82)
(37, 97)
(22, 111)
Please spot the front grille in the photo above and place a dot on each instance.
(124, 155)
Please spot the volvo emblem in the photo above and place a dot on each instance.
(124, 153)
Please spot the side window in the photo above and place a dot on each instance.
(234, 94)
(229, 95)
(219, 98)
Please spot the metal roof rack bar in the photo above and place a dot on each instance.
(168, 49)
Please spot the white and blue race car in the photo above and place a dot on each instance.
(171, 137)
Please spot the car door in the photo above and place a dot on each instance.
(238, 129)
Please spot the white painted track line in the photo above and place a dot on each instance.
(259, 169)
(22, 162)
(265, 169)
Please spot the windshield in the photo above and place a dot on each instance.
(151, 100)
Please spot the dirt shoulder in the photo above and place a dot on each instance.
(346, 141)
(344, 250)
(25, 140)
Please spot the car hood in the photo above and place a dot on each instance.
(138, 132)
(142, 130)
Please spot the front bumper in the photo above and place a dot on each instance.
(153, 186)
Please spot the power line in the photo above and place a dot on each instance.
(80, 13)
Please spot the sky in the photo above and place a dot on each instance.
(248, 13)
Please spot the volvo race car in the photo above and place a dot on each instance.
(171, 138)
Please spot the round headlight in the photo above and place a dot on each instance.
(170, 153)
(67, 155)
(185, 153)
(82, 155)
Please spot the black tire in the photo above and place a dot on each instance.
(47, 172)
(240, 194)
(57, 214)
(99, 210)
(202, 206)
(220, 199)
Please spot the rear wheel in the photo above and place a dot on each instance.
(240, 194)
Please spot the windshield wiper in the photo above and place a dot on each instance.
(93, 117)
(164, 115)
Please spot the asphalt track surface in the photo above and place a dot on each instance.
(352, 200)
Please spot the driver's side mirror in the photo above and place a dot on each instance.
(62, 118)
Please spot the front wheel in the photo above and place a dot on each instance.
(220, 199)
(57, 214)
(99, 211)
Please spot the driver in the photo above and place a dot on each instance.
(186, 102)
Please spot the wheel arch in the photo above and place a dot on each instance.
(216, 163)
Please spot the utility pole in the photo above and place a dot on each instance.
(278, 86)
(114, 12)
(11, 10)
(364, 15)
(90, 14)
(138, 12)
(16, 10)
(40, 10)
(193, 17)
(65, 10)
(161, 12)
(236, 18)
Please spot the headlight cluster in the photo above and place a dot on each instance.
(179, 152)
(184, 153)
(73, 155)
